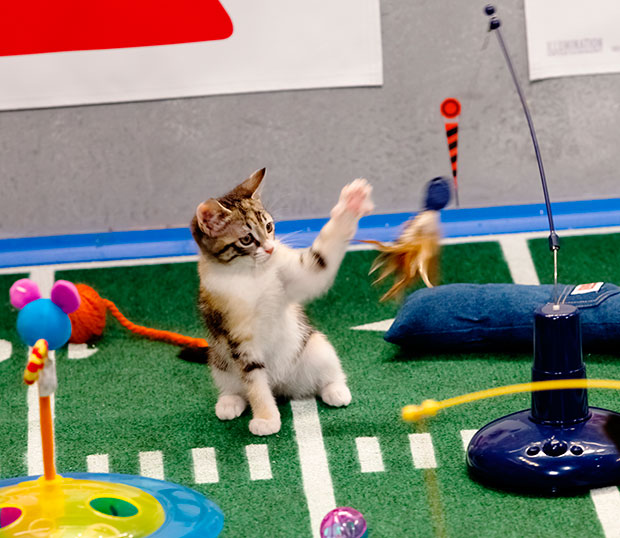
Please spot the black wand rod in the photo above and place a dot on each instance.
(554, 240)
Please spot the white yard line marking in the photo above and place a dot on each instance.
(607, 504)
(466, 436)
(6, 350)
(81, 351)
(369, 454)
(381, 326)
(205, 466)
(315, 473)
(98, 463)
(519, 259)
(152, 464)
(102, 264)
(422, 450)
(356, 247)
(44, 277)
(258, 462)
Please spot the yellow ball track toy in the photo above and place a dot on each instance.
(85, 505)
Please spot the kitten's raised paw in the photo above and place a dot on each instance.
(355, 200)
(263, 426)
(229, 406)
(336, 395)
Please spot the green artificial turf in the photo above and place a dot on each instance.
(581, 259)
(135, 395)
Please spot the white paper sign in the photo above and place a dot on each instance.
(572, 37)
(274, 45)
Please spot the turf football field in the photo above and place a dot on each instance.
(129, 405)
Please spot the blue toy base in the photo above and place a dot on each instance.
(517, 454)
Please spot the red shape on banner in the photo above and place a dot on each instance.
(39, 26)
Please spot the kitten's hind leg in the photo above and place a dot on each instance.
(322, 363)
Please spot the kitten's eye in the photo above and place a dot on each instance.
(269, 227)
(246, 240)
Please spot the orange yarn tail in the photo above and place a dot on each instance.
(154, 334)
(88, 322)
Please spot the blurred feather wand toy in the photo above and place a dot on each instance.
(416, 252)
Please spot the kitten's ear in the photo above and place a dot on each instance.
(212, 217)
(249, 188)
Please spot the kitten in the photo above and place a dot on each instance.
(251, 286)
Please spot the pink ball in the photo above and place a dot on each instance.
(65, 295)
(24, 291)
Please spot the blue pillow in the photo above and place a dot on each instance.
(479, 317)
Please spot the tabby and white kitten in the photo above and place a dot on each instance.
(251, 287)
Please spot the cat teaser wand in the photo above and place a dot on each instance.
(561, 445)
(430, 408)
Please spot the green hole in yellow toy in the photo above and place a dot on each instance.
(113, 507)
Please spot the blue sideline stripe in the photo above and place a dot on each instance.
(301, 233)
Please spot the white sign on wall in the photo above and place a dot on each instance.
(572, 37)
(112, 50)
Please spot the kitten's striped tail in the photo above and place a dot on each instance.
(195, 354)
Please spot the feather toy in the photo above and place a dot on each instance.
(415, 254)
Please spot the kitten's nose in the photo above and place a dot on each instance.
(269, 249)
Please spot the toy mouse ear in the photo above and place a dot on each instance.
(65, 295)
(23, 292)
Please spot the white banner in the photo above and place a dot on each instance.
(273, 45)
(572, 37)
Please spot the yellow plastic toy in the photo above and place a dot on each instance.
(60, 507)
(72, 508)
(86, 505)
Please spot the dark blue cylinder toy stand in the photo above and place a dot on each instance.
(559, 446)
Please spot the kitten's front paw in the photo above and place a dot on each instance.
(355, 201)
(229, 406)
(336, 395)
(264, 426)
